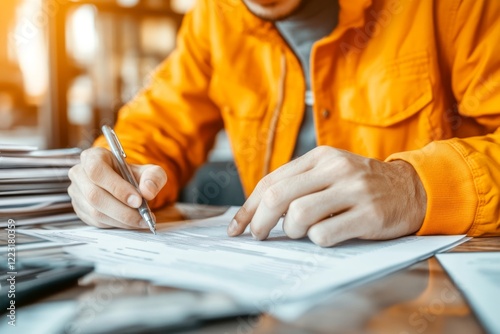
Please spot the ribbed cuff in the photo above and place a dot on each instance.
(452, 197)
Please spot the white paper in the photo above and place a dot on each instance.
(200, 255)
(30, 200)
(32, 191)
(16, 162)
(38, 186)
(48, 173)
(477, 275)
(44, 219)
(33, 151)
(39, 210)
(37, 246)
(4, 147)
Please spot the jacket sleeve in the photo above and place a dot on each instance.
(173, 123)
(462, 176)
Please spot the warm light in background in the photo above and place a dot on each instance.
(182, 6)
(82, 35)
(104, 50)
(30, 45)
(127, 3)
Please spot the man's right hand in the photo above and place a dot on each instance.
(102, 198)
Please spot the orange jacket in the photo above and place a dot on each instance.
(397, 79)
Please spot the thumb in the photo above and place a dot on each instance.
(151, 179)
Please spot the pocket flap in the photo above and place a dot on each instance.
(388, 94)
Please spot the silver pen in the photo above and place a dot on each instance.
(119, 154)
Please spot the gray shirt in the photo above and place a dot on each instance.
(315, 20)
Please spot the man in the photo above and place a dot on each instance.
(401, 97)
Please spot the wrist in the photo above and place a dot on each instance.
(415, 194)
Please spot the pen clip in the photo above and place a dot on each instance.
(117, 143)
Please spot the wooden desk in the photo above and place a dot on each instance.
(419, 299)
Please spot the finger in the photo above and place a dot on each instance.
(102, 207)
(277, 199)
(88, 218)
(76, 202)
(151, 178)
(93, 217)
(97, 164)
(306, 211)
(342, 227)
(245, 214)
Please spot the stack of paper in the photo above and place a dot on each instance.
(34, 183)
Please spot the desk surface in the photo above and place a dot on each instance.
(418, 299)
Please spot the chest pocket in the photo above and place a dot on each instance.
(387, 94)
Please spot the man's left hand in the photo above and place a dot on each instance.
(331, 195)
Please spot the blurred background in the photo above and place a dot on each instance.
(67, 66)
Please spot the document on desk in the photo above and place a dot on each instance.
(199, 255)
(477, 275)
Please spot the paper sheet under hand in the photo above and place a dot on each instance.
(200, 255)
(477, 275)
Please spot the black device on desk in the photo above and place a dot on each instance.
(33, 279)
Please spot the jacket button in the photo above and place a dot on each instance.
(325, 113)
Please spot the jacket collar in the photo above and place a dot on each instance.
(352, 13)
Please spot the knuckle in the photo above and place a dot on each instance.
(297, 211)
(94, 196)
(362, 185)
(272, 197)
(159, 174)
(72, 172)
(120, 191)
(94, 168)
(84, 154)
(91, 153)
(322, 150)
(72, 192)
(344, 163)
(264, 184)
(98, 152)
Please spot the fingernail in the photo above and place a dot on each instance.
(233, 226)
(253, 235)
(151, 186)
(134, 201)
